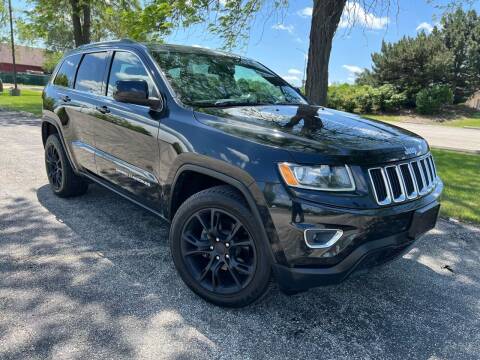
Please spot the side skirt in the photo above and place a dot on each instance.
(105, 184)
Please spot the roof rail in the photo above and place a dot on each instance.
(119, 41)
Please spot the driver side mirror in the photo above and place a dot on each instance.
(136, 92)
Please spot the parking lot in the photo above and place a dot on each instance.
(91, 277)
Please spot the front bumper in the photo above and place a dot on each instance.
(371, 237)
(366, 256)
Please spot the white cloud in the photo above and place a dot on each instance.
(355, 14)
(424, 26)
(306, 12)
(295, 72)
(283, 27)
(293, 79)
(354, 69)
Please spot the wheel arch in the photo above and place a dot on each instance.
(49, 127)
(248, 189)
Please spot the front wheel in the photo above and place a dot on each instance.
(218, 249)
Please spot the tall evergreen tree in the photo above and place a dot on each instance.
(450, 55)
(460, 35)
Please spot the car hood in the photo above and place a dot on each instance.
(312, 133)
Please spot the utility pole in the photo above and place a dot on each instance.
(304, 76)
(15, 91)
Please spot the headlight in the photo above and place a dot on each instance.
(320, 177)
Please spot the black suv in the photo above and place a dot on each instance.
(257, 183)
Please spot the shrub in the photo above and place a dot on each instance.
(364, 98)
(386, 98)
(432, 99)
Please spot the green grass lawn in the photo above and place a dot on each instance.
(29, 100)
(461, 174)
(472, 119)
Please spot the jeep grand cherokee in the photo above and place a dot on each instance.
(257, 183)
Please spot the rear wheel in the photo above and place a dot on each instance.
(218, 249)
(63, 181)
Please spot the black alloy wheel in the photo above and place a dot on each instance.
(63, 180)
(54, 167)
(218, 251)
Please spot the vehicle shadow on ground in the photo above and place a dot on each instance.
(15, 118)
(106, 279)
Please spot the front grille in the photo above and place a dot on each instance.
(405, 181)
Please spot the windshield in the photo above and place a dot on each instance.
(209, 80)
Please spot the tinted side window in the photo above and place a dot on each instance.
(91, 71)
(66, 73)
(127, 66)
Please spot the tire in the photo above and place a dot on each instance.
(225, 263)
(63, 181)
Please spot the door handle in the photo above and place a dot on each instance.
(66, 98)
(103, 109)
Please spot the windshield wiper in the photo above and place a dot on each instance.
(237, 103)
(225, 102)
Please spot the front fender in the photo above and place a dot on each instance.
(235, 177)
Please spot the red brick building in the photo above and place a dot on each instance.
(28, 59)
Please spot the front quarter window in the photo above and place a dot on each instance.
(218, 80)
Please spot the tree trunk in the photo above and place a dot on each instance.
(86, 22)
(77, 24)
(325, 18)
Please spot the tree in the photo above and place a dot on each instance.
(90, 20)
(412, 64)
(3, 21)
(52, 58)
(450, 56)
(461, 36)
(325, 18)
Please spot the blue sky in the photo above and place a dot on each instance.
(281, 42)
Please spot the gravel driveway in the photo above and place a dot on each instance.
(91, 277)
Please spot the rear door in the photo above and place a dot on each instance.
(68, 109)
(126, 134)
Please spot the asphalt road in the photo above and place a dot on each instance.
(91, 277)
(446, 137)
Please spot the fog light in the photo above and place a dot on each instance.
(322, 238)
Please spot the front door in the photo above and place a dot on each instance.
(127, 152)
(89, 85)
